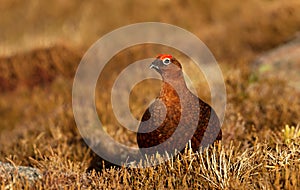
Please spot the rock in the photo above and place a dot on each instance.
(10, 174)
(281, 62)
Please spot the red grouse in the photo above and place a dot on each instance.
(177, 115)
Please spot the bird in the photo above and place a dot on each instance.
(176, 108)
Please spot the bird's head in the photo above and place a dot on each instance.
(166, 65)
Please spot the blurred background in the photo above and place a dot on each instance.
(228, 28)
(42, 43)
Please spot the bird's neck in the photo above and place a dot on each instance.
(174, 86)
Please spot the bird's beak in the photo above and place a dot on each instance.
(154, 65)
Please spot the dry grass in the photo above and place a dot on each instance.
(220, 167)
(261, 139)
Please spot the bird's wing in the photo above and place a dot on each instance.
(153, 116)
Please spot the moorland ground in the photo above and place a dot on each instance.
(42, 48)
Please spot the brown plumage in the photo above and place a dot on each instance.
(176, 106)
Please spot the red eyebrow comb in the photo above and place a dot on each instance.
(163, 56)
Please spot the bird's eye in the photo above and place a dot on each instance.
(166, 61)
